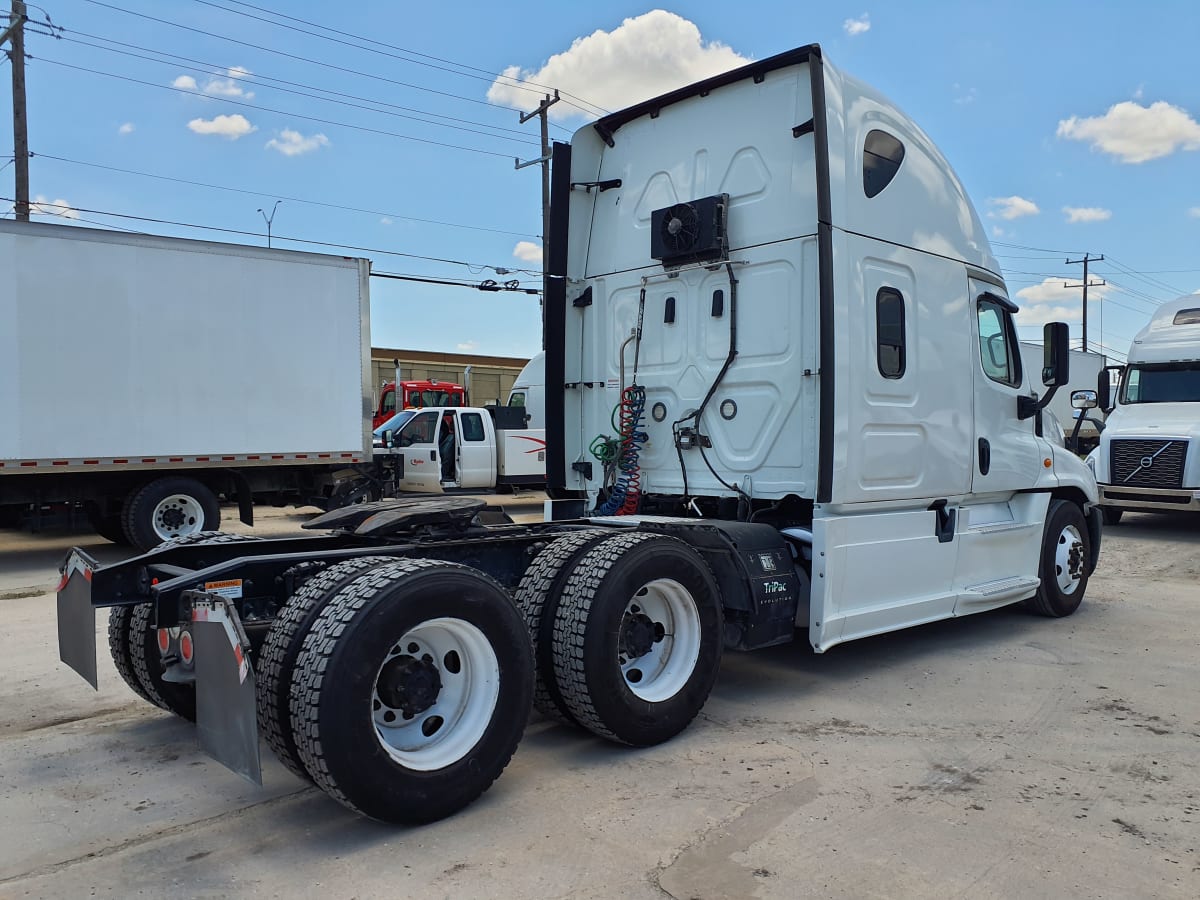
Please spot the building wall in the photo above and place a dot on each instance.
(492, 377)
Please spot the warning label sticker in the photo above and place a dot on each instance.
(231, 588)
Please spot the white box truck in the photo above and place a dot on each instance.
(1085, 371)
(145, 377)
(784, 397)
(1149, 453)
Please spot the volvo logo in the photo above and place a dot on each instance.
(1147, 461)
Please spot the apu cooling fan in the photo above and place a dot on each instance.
(690, 232)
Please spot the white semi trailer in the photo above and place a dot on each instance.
(784, 398)
(1149, 453)
(145, 377)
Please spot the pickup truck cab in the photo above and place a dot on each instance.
(448, 448)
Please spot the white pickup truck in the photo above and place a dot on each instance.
(447, 448)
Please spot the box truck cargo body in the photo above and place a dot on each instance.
(146, 376)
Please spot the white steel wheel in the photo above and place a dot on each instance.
(1069, 559)
(660, 640)
(435, 694)
(177, 515)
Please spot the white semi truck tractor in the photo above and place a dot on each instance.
(1149, 454)
(784, 400)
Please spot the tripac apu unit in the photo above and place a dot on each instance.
(690, 232)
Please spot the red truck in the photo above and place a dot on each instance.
(417, 395)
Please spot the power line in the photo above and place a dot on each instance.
(1157, 283)
(514, 82)
(488, 78)
(256, 234)
(304, 59)
(273, 195)
(487, 285)
(294, 115)
(183, 62)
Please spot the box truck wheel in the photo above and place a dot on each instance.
(118, 648)
(412, 689)
(638, 638)
(1065, 554)
(277, 658)
(1112, 515)
(147, 665)
(537, 597)
(168, 508)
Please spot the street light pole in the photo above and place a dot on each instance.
(269, 219)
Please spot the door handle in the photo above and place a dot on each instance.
(985, 456)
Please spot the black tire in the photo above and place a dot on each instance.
(277, 658)
(147, 666)
(1112, 515)
(538, 597)
(590, 634)
(189, 507)
(119, 649)
(343, 655)
(107, 525)
(1066, 527)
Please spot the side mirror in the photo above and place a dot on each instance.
(1084, 399)
(387, 437)
(1056, 363)
(1103, 384)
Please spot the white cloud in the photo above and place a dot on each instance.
(293, 143)
(386, 220)
(56, 207)
(218, 87)
(1134, 133)
(1050, 301)
(858, 26)
(1013, 207)
(127, 128)
(1194, 212)
(964, 97)
(997, 231)
(1087, 214)
(467, 346)
(528, 251)
(230, 127)
(643, 57)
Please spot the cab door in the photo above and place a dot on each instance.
(1000, 522)
(417, 443)
(475, 465)
(1007, 454)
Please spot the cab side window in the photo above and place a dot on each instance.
(998, 343)
(419, 430)
(889, 333)
(472, 427)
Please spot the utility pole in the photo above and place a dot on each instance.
(544, 159)
(15, 34)
(1087, 258)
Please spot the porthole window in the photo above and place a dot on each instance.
(882, 155)
(889, 332)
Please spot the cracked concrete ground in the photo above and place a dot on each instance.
(1000, 755)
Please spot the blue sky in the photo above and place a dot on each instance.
(1073, 125)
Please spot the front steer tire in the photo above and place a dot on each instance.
(1066, 549)
(469, 705)
(638, 638)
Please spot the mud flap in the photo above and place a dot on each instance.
(77, 616)
(226, 720)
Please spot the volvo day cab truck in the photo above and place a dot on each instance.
(1149, 453)
(146, 377)
(784, 400)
